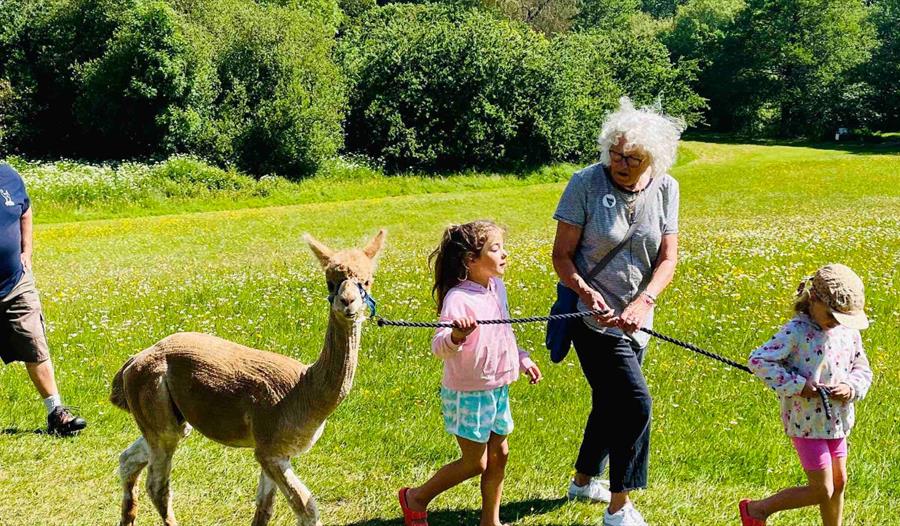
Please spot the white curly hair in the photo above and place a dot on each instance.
(648, 128)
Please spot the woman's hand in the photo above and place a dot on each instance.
(594, 300)
(534, 374)
(635, 314)
(842, 392)
(462, 328)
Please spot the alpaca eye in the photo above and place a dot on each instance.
(368, 283)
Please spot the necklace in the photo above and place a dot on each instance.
(630, 200)
(629, 197)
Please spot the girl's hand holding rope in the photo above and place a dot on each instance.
(813, 389)
(810, 389)
(841, 392)
(462, 328)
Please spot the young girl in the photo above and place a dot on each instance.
(819, 349)
(479, 364)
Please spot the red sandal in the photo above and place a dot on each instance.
(410, 517)
(746, 519)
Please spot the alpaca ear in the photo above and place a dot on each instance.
(375, 245)
(322, 252)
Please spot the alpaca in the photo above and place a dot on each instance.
(243, 397)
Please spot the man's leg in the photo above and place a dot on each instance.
(60, 421)
(29, 339)
(41, 374)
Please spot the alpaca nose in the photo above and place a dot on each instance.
(347, 297)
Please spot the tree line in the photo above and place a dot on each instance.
(281, 86)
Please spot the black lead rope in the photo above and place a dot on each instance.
(823, 394)
(437, 324)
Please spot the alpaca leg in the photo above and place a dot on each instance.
(131, 462)
(265, 499)
(158, 471)
(299, 497)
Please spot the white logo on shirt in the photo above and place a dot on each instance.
(609, 200)
(7, 198)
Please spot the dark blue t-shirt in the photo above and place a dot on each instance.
(14, 203)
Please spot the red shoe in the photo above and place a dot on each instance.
(746, 519)
(410, 517)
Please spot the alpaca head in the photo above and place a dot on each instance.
(345, 272)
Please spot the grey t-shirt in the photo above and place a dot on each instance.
(593, 203)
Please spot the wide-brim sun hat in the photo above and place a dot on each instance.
(843, 293)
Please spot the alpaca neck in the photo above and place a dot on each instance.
(332, 375)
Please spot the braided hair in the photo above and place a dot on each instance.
(449, 260)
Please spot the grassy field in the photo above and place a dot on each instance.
(755, 220)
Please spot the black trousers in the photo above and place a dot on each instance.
(618, 427)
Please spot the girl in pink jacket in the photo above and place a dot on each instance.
(479, 364)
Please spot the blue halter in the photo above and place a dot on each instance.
(366, 297)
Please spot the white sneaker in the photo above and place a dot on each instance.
(595, 491)
(627, 516)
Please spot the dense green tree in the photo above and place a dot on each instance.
(250, 84)
(587, 73)
(6, 105)
(150, 74)
(441, 88)
(787, 67)
(43, 43)
(355, 8)
(642, 67)
(605, 14)
(547, 16)
(883, 72)
(578, 88)
(280, 96)
(661, 8)
(437, 87)
(700, 27)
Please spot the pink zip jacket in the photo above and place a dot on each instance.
(490, 357)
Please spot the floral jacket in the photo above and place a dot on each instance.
(803, 350)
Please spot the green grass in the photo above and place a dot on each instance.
(754, 220)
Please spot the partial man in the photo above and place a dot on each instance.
(22, 334)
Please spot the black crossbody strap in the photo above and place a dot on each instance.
(640, 217)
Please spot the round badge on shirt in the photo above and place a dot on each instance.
(609, 200)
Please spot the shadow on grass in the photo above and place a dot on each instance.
(17, 431)
(868, 146)
(509, 512)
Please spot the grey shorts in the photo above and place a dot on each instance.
(22, 334)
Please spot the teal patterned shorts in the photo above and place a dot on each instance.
(474, 415)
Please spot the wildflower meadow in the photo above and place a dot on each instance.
(229, 260)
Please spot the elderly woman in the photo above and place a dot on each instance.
(595, 215)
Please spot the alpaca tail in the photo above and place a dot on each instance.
(117, 393)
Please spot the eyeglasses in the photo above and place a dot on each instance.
(633, 162)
